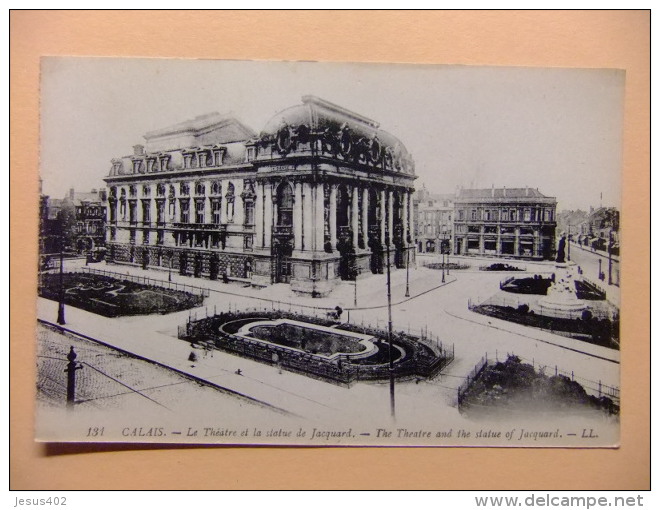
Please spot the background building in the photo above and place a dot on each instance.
(319, 195)
(501, 222)
(77, 221)
(433, 221)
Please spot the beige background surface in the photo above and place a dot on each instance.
(612, 39)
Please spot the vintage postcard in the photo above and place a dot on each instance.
(305, 253)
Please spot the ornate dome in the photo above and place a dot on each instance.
(317, 117)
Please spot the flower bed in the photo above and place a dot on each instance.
(500, 266)
(112, 297)
(413, 358)
(590, 329)
(531, 285)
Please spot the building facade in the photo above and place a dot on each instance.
(319, 195)
(433, 221)
(75, 223)
(501, 222)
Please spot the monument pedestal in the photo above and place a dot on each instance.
(561, 300)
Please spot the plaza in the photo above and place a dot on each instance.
(440, 310)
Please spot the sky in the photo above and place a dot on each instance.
(558, 130)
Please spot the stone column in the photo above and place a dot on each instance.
(333, 216)
(297, 215)
(273, 194)
(319, 220)
(307, 216)
(239, 205)
(383, 215)
(390, 217)
(259, 215)
(411, 218)
(365, 217)
(404, 218)
(516, 242)
(268, 214)
(354, 216)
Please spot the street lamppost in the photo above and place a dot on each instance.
(609, 254)
(60, 304)
(442, 258)
(356, 272)
(568, 240)
(389, 322)
(448, 251)
(407, 271)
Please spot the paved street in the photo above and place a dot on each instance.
(439, 309)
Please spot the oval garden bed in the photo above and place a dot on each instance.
(320, 348)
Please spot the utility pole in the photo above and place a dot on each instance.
(389, 323)
(443, 266)
(355, 272)
(71, 368)
(407, 271)
(60, 305)
(609, 254)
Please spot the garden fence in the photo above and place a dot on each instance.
(338, 370)
(595, 388)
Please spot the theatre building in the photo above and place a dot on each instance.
(319, 195)
(501, 222)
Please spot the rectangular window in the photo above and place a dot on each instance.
(528, 215)
(160, 212)
(248, 242)
(185, 211)
(132, 236)
(146, 211)
(216, 208)
(199, 211)
(249, 212)
(473, 215)
(132, 213)
(159, 237)
(461, 215)
(145, 237)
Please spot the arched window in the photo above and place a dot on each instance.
(160, 190)
(285, 205)
(200, 189)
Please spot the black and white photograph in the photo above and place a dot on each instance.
(328, 254)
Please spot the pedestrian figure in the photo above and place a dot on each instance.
(192, 357)
(239, 372)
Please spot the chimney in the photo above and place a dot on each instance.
(492, 190)
(71, 193)
(504, 192)
(138, 150)
(95, 191)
